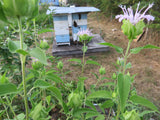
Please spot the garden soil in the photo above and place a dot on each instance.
(146, 64)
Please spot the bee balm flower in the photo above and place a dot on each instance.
(134, 18)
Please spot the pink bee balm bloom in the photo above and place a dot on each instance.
(134, 18)
(82, 32)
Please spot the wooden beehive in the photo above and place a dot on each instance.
(53, 2)
(65, 17)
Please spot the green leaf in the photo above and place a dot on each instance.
(138, 49)
(75, 60)
(18, 45)
(2, 15)
(45, 30)
(6, 89)
(117, 48)
(92, 62)
(15, 45)
(145, 112)
(22, 52)
(12, 46)
(142, 101)
(20, 116)
(48, 99)
(129, 65)
(56, 92)
(53, 77)
(36, 113)
(41, 84)
(78, 112)
(92, 114)
(129, 29)
(100, 94)
(89, 104)
(123, 89)
(39, 54)
(100, 117)
(139, 27)
(107, 104)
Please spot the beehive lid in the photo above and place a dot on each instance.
(68, 10)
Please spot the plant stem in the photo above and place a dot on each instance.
(83, 64)
(22, 57)
(118, 112)
(9, 103)
(126, 55)
(124, 69)
(35, 37)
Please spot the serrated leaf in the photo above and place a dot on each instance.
(117, 48)
(22, 52)
(53, 77)
(6, 89)
(48, 99)
(18, 45)
(75, 60)
(45, 30)
(15, 45)
(100, 117)
(89, 104)
(92, 62)
(107, 104)
(145, 112)
(92, 114)
(56, 92)
(123, 89)
(12, 46)
(35, 114)
(100, 94)
(20, 116)
(78, 112)
(2, 15)
(39, 54)
(129, 65)
(138, 49)
(41, 84)
(142, 101)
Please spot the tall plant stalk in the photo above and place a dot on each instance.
(22, 58)
(124, 69)
(83, 63)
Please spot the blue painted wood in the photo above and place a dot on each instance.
(76, 29)
(55, 2)
(60, 18)
(79, 16)
(62, 38)
(67, 10)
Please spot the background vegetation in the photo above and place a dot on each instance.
(109, 7)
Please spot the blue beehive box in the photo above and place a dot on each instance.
(65, 17)
(53, 2)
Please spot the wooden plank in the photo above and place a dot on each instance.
(93, 47)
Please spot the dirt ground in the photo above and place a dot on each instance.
(146, 64)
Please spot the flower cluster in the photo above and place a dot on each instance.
(83, 32)
(134, 18)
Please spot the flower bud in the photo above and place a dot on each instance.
(44, 44)
(36, 64)
(60, 65)
(74, 100)
(102, 71)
